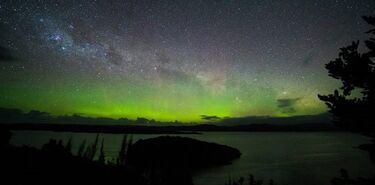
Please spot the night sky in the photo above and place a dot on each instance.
(174, 60)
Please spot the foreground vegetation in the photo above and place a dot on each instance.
(141, 163)
(146, 162)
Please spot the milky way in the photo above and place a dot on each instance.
(174, 60)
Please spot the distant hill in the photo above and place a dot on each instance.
(194, 129)
(17, 116)
(36, 120)
(324, 118)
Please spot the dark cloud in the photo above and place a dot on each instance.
(308, 59)
(287, 105)
(210, 118)
(114, 57)
(6, 55)
(168, 74)
(287, 102)
(162, 58)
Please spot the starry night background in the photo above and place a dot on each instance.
(174, 60)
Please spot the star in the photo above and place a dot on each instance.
(173, 60)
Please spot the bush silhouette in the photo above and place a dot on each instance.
(250, 181)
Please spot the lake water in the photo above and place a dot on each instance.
(309, 158)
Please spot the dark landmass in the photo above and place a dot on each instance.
(308, 127)
(370, 148)
(185, 153)
(192, 129)
(113, 129)
(15, 119)
(8, 115)
(323, 118)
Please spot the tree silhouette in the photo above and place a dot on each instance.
(356, 70)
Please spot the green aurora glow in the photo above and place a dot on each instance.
(161, 100)
(173, 60)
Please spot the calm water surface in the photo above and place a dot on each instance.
(311, 158)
